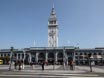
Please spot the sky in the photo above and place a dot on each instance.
(81, 23)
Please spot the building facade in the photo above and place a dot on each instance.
(57, 55)
(38, 54)
(54, 54)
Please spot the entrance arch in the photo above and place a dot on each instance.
(51, 58)
(41, 57)
(26, 60)
(60, 57)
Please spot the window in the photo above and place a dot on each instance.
(54, 22)
(94, 53)
(80, 53)
(19, 56)
(22, 55)
(80, 57)
(76, 53)
(85, 53)
(99, 53)
(4, 54)
(76, 57)
(15, 54)
(8, 54)
(51, 22)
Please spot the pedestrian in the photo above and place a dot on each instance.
(19, 62)
(42, 65)
(15, 65)
(22, 64)
(71, 65)
(31, 64)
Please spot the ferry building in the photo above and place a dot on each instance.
(53, 54)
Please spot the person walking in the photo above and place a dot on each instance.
(71, 65)
(42, 65)
(19, 62)
(15, 65)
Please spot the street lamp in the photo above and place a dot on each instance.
(89, 56)
(64, 58)
(24, 58)
(11, 55)
(74, 59)
(54, 60)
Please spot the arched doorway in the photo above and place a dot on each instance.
(33, 57)
(26, 61)
(41, 57)
(50, 58)
(60, 58)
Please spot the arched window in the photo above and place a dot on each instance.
(76, 53)
(85, 53)
(99, 53)
(4, 54)
(80, 53)
(95, 54)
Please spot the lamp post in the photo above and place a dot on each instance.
(54, 60)
(89, 55)
(64, 58)
(24, 58)
(11, 55)
(74, 59)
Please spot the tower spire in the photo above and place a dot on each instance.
(53, 5)
(52, 14)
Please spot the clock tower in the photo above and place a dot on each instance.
(52, 29)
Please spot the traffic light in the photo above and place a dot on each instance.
(89, 55)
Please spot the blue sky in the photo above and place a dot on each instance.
(81, 23)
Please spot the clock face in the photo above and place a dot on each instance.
(51, 33)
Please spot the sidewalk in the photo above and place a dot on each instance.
(57, 68)
(78, 69)
(87, 68)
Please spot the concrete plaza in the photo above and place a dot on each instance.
(51, 71)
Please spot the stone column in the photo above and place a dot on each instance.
(20, 56)
(3, 54)
(46, 57)
(36, 58)
(24, 53)
(17, 56)
(56, 57)
(30, 58)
